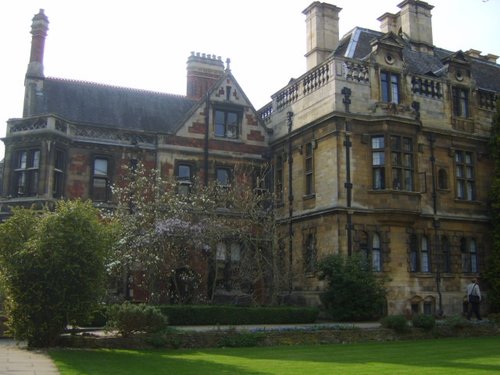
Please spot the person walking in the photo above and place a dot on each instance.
(474, 298)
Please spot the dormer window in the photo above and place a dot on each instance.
(460, 102)
(226, 124)
(389, 84)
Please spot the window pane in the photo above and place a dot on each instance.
(22, 160)
(221, 251)
(99, 189)
(379, 178)
(101, 167)
(377, 142)
(36, 159)
(223, 176)
(184, 172)
(378, 158)
(235, 252)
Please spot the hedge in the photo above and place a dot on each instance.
(179, 315)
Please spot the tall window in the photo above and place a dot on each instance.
(26, 172)
(419, 254)
(278, 178)
(58, 176)
(468, 250)
(424, 255)
(460, 102)
(101, 180)
(184, 175)
(309, 169)
(445, 246)
(378, 162)
(226, 124)
(376, 258)
(371, 250)
(464, 165)
(389, 84)
(402, 163)
(223, 176)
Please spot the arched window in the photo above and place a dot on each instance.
(376, 259)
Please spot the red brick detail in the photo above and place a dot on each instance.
(251, 119)
(197, 128)
(256, 135)
(76, 190)
(166, 169)
(78, 164)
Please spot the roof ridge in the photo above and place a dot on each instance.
(105, 85)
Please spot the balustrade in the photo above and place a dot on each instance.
(427, 87)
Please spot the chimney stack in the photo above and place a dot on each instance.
(203, 71)
(39, 28)
(322, 32)
(415, 20)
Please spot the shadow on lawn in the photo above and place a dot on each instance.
(138, 362)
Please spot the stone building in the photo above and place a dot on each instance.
(380, 148)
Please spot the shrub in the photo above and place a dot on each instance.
(52, 269)
(128, 318)
(354, 294)
(426, 322)
(236, 315)
(456, 321)
(241, 339)
(396, 322)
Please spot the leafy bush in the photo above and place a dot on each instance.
(426, 322)
(495, 317)
(128, 318)
(52, 269)
(236, 315)
(241, 339)
(354, 294)
(396, 322)
(456, 321)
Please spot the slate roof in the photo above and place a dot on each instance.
(357, 44)
(111, 106)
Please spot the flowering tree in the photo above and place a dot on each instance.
(184, 246)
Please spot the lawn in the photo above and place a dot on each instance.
(442, 356)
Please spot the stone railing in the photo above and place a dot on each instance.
(462, 124)
(17, 126)
(287, 96)
(315, 79)
(427, 87)
(266, 112)
(487, 100)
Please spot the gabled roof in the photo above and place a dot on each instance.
(111, 106)
(357, 44)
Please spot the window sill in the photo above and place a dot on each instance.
(392, 191)
(425, 275)
(309, 196)
(466, 201)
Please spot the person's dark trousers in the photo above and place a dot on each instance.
(474, 308)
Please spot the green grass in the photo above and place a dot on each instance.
(442, 356)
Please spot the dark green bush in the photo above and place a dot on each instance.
(456, 321)
(236, 315)
(426, 322)
(128, 318)
(396, 322)
(354, 293)
(241, 339)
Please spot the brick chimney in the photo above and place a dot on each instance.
(203, 71)
(415, 19)
(322, 32)
(39, 28)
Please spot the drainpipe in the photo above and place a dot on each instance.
(290, 202)
(205, 148)
(348, 186)
(435, 223)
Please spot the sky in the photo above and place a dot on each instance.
(145, 44)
